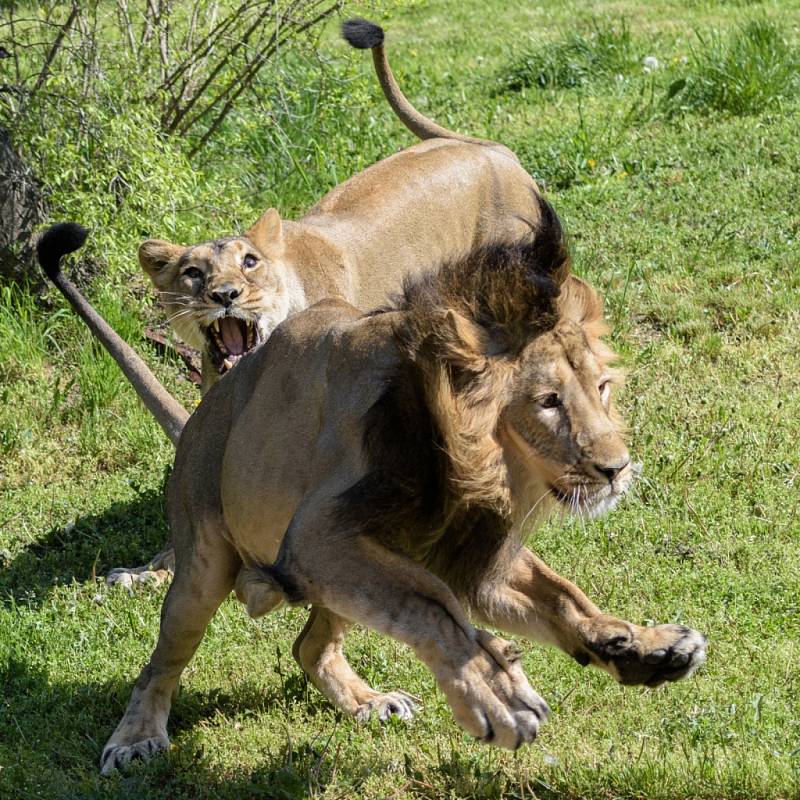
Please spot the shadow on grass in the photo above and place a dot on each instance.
(125, 534)
(52, 734)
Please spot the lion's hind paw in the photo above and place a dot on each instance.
(117, 756)
(393, 704)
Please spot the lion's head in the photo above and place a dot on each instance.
(559, 424)
(500, 411)
(226, 296)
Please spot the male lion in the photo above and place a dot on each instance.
(384, 469)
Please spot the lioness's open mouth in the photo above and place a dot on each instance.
(229, 338)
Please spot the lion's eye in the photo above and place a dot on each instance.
(249, 261)
(550, 401)
(193, 273)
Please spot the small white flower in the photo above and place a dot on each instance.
(650, 63)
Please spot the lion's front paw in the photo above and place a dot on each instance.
(649, 656)
(116, 756)
(383, 706)
(491, 697)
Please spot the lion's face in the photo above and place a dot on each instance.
(561, 426)
(222, 297)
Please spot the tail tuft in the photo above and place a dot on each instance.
(56, 242)
(362, 33)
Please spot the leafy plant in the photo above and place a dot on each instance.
(191, 63)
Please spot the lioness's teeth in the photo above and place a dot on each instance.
(215, 325)
(228, 363)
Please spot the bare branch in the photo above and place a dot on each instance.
(73, 15)
(248, 79)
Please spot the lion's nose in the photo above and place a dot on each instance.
(610, 471)
(225, 295)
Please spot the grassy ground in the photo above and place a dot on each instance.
(679, 187)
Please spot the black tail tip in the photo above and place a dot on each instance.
(56, 242)
(362, 33)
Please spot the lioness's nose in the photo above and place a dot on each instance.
(225, 295)
(611, 471)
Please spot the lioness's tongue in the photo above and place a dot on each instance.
(231, 331)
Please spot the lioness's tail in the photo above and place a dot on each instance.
(365, 35)
(56, 242)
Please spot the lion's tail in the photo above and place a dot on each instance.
(365, 35)
(53, 245)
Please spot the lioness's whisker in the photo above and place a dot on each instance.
(181, 313)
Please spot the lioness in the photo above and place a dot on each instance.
(384, 468)
(428, 203)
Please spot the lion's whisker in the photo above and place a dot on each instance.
(532, 509)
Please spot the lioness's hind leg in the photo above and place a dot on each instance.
(160, 568)
(199, 587)
(318, 650)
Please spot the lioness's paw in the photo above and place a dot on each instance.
(393, 704)
(491, 697)
(127, 578)
(116, 756)
(652, 656)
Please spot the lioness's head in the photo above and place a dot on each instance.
(518, 380)
(226, 296)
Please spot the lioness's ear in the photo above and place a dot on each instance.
(464, 342)
(157, 258)
(267, 233)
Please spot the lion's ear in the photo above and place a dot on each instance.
(158, 259)
(580, 302)
(462, 341)
(267, 233)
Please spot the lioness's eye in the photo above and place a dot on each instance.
(249, 261)
(550, 401)
(193, 273)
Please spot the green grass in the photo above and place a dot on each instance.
(687, 222)
(746, 72)
(603, 53)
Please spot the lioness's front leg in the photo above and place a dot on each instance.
(363, 582)
(537, 603)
